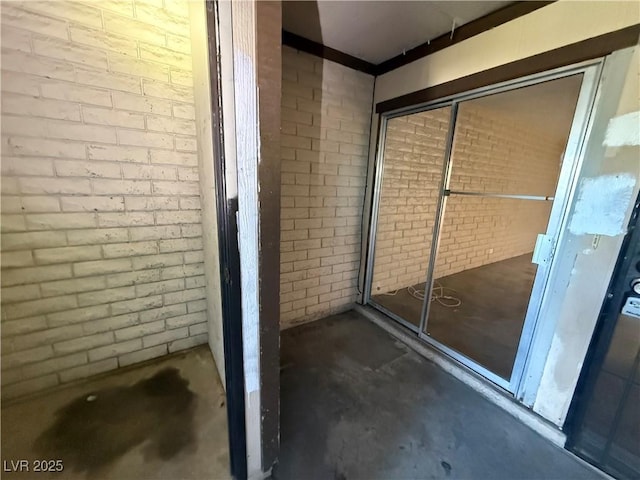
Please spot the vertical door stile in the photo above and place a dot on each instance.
(446, 176)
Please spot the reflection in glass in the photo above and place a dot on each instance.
(505, 163)
(414, 154)
(512, 142)
(484, 276)
(610, 431)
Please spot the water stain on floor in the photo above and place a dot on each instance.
(98, 428)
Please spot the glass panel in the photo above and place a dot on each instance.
(512, 142)
(625, 446)
(483, 276)
(610, 431)
(623, 350)
(600, 415)
(414, 152)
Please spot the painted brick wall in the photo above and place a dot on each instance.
(101, 236)
(326, 111)
(414, 155)
(491, 154)
(498, 154)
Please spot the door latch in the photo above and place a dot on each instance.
(543, 251)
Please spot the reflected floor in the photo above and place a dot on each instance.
(486, 326)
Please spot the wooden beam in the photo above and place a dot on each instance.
(328, 53)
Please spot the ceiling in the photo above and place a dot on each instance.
(376, 31)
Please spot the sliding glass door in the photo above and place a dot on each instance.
(504, 167)
(484, 277)
(468, 202)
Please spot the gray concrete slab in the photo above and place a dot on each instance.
(358, 404)
(163, 420)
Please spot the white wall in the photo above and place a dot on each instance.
(102, 259)
(560, 23)
(203, 123)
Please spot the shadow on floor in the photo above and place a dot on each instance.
(358, 404)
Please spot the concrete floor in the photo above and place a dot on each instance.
(357, 404)
(486, 326)
(163, 420)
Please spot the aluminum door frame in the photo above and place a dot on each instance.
(571, 164)
(378, 173)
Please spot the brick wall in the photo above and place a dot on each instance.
(326, 110)
(101, 236)
(491, 153)
(497, 153)
(414, 154)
